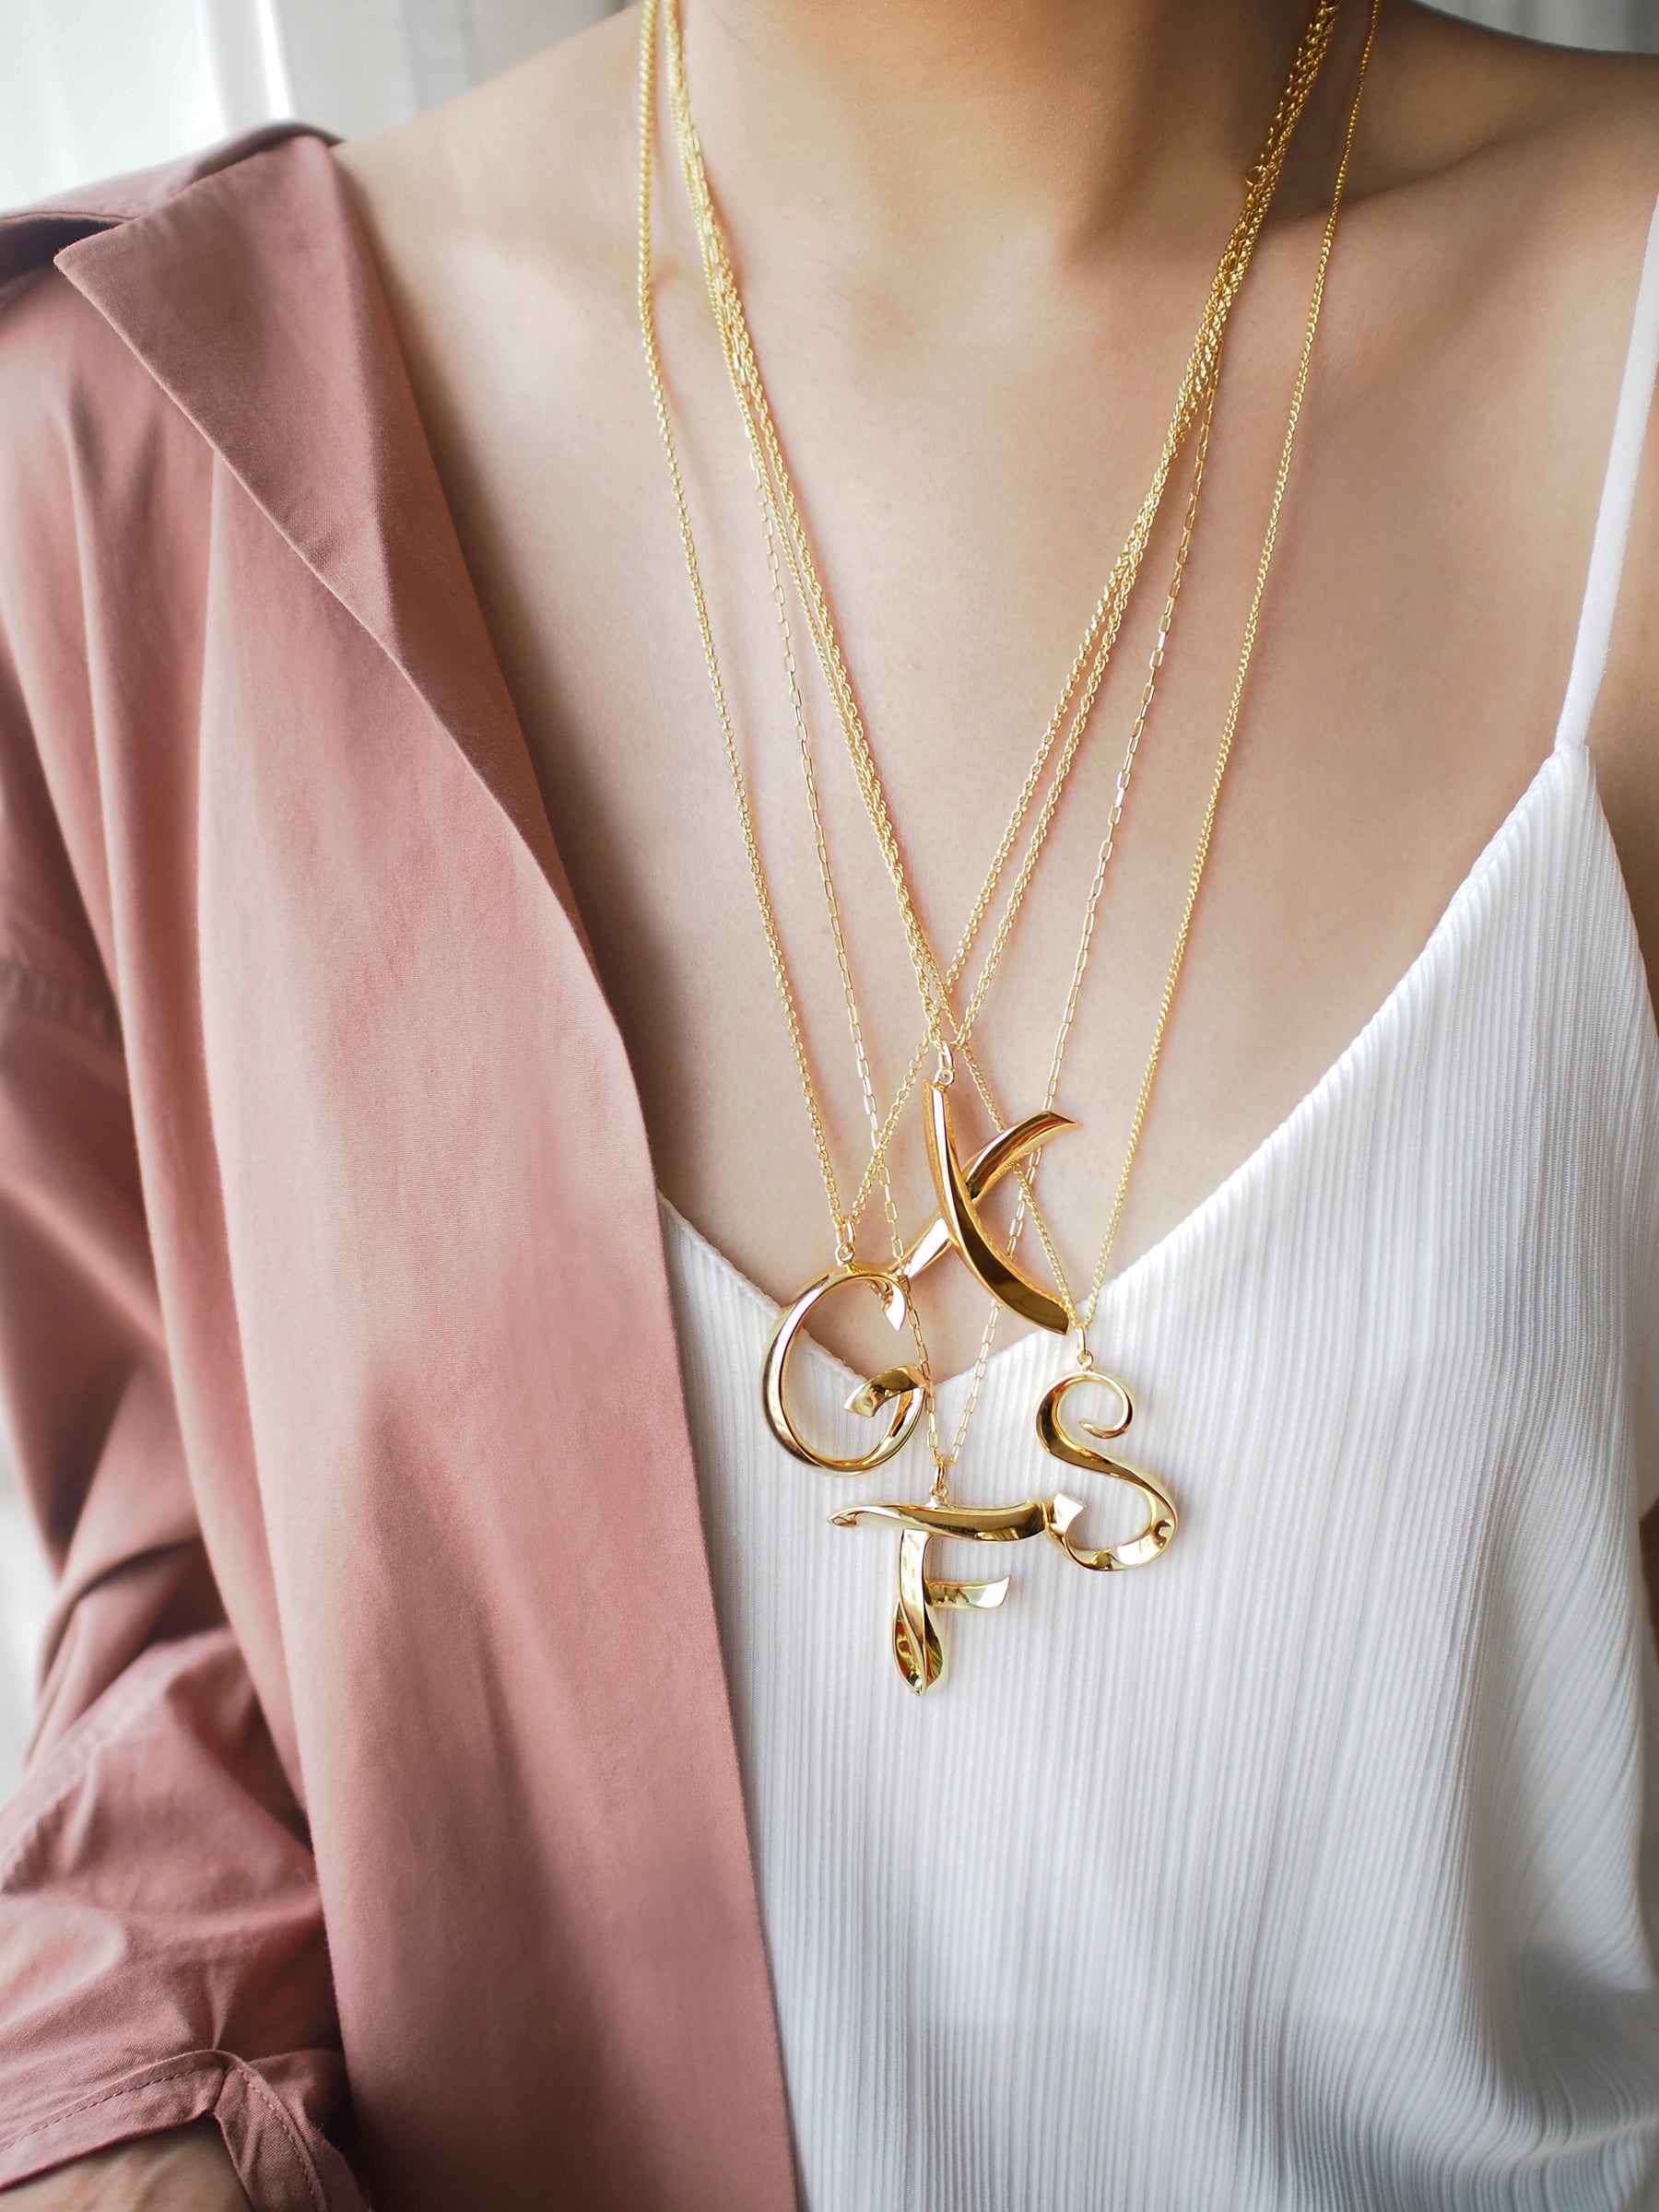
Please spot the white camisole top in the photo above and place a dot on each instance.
(1317, 1863)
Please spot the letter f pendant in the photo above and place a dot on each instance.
(918, 1648)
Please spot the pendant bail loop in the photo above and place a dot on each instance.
(944, 1074)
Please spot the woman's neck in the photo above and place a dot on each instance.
(924, 141)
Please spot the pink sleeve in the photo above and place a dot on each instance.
(162, 1951)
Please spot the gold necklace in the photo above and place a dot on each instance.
(910, 1261)
(936, 986)
(915, 1638)
(1198, 390)
(917, 1646)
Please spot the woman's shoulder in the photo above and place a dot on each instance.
(1467, 88)
(110, 295)
(220, 310)
(1500, 141)
(1524, 178)
(206, 343)
(534, 167)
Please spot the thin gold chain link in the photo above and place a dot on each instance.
(944, 1458)
(1092, 657)
(774, 943)
(846, 1243)
(936, 988)
(764, 453)
(788, 523)
(1235, 702)
(1025, 1206)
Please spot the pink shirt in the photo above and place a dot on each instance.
(384, 1724)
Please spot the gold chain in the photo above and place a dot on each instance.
(944, 1458)
(1235, 702)
(783, 518)
(831, 896)
(1089, 665)
(1025, 1202)
(1107, 618)
(1082, 1319)
(774, 943)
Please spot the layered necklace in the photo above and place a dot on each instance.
(902, 1397)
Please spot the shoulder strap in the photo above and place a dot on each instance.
(1617, 498)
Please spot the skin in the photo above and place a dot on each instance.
(972, 266)
(973, 246)
(186, 2169)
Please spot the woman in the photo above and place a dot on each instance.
(453, 1688)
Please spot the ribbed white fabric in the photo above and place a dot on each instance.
(1317, 1863)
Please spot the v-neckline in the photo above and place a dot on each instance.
(1425, 968)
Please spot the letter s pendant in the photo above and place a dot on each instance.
(1076, 1451)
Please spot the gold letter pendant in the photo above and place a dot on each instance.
(917, 1647)
(1054, 1436)
(901, 1387)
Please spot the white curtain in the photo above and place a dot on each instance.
(90, 88)
(87, 89)
(1620, 26)
(357, 66)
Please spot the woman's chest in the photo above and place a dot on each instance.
(1413, 647)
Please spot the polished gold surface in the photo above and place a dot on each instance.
(918, 1651)
(1075, 1450)
(1001, 1275)
(970, 1524)
(897, 1385)
(980, 1176)
(901, 1387)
